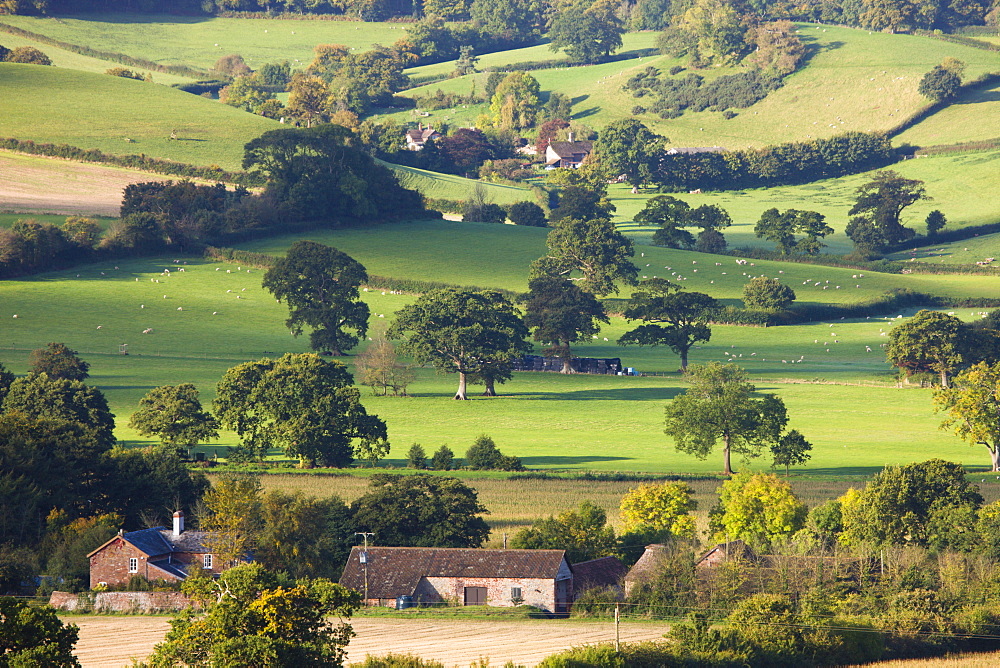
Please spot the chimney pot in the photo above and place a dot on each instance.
(178, 522)
(571, 136)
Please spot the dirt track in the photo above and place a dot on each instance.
(112, 642)
(31, 184)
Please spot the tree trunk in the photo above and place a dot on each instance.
(944, 378)
(567, 359)
(727, 468)
(995, 456)
(684, 359)
(490, 390)
(460, 395)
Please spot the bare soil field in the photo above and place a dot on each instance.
(33, 184)
(112, 642)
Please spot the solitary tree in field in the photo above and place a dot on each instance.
(880, 202)
(767, 294)
(463, 332)
(174, 413)
(561, 313)
(379, 368)
(929, 341)
(671, 317)
(973, 407)
(935, 221)
(791, 449)
(59, 362)
(782, 226)
(720, 406)
(672, 215)
(320, 285)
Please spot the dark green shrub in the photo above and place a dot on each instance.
(416, 458)
(443, 459)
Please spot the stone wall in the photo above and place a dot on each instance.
(121, 601)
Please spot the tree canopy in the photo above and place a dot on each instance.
(782, 226)
(302, 404)
(660, 507)
(34, 636)
(767, 294)
(630, 149)
(38, 396)
(174, 413)
(671, 317)
(972, 407)
(586, 31)
(929, 341)
(593, 248)
(720, 405)
(560, 313)
(421, 511)
(876, 224)
(320, 285)
(584, 534)
(461, 331)
(59, 362)
(757, 508)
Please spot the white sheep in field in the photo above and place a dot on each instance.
(99, 326)
(180, 308)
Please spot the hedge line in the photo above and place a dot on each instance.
(131, 161)
(960, 39)
(885, 266)
(120, 58)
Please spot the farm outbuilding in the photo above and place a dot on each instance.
(462, 576)
(155, 554)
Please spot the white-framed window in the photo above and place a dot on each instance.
(206, 561)
(133, 565)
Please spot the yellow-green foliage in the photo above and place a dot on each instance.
(664, 507)
(758, 508)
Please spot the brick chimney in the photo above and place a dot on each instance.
(178, 523)
(571, 136)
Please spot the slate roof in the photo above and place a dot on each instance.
(396, 571)
(149, 541)
(603, 572)
(188, 541)
(161, 541)
(171, 568)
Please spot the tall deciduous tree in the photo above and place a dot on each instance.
(421, 511)
(59, 362)
(320, 286)
(671, 215)
(174, 413)
(767, 294)
(973, 407)
(379, 368)
(41, 397)
(720, 406)
(630, 149)
(929, 341)
(561, 313)
(233, 517)
(587, 31)
(878, 207)
(303, 535)
(515, 102)
(33, 636)
(758, 508)
(302, 404)
(791, 449)
(595, 249)
(781, 228)
(658, 508)
(461, 331)
(584, 534)
(672, 317)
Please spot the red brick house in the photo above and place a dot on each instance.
(155, 554)
(503, 578)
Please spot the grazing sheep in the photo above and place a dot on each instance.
(180, 308)
(99, 326)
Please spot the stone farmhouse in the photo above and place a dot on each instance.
(415, 139)
(155, 554)
(569, 154)
(466, 576)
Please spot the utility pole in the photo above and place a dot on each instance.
(617, 630)
(364, 558)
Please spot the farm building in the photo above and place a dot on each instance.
(645, 569)
(155, 554)
(567, 153)
(611, 365)
(503, 578)
(598, 573)
(415, 139)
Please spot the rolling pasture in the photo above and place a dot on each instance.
(50, 104)
(212, 316)
(201, 41)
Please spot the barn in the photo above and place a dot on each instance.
(462, 576)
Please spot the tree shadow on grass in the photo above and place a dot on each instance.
(612, 394)
(562, 462)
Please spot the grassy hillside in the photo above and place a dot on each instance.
(200, 41)
(75, 61)
(974, 117)
(49, 104)
(959, 185)
(548, 419)
(449, 186)
(854, 80)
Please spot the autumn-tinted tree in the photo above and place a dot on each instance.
(421, 511)
(378, 367)
(27, 55)
(628, 148)
(593, 248)
(174, 413)
(671, 317)
(930, 341)
(584, 534)
(320, 285)
(515, 102)
(720, 406)
(466, 149)
(757, 508)
(560, 312)
(247, 619)
(232, 517)
(461, 331)
(660, 507)
(973, 408)
(302, 404)
(59, 362)
(767, 294)
(586, 32)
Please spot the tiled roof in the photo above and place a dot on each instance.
(188, 541)
(647, 562)
(603, 572)
(396, 571)
(172, 568)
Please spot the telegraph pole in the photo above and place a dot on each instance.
(364, 558)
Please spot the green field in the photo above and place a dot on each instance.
(449, 186)
(201, 41)
(49, 104)
(954, 124)
(966, 251)
(854, 80)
